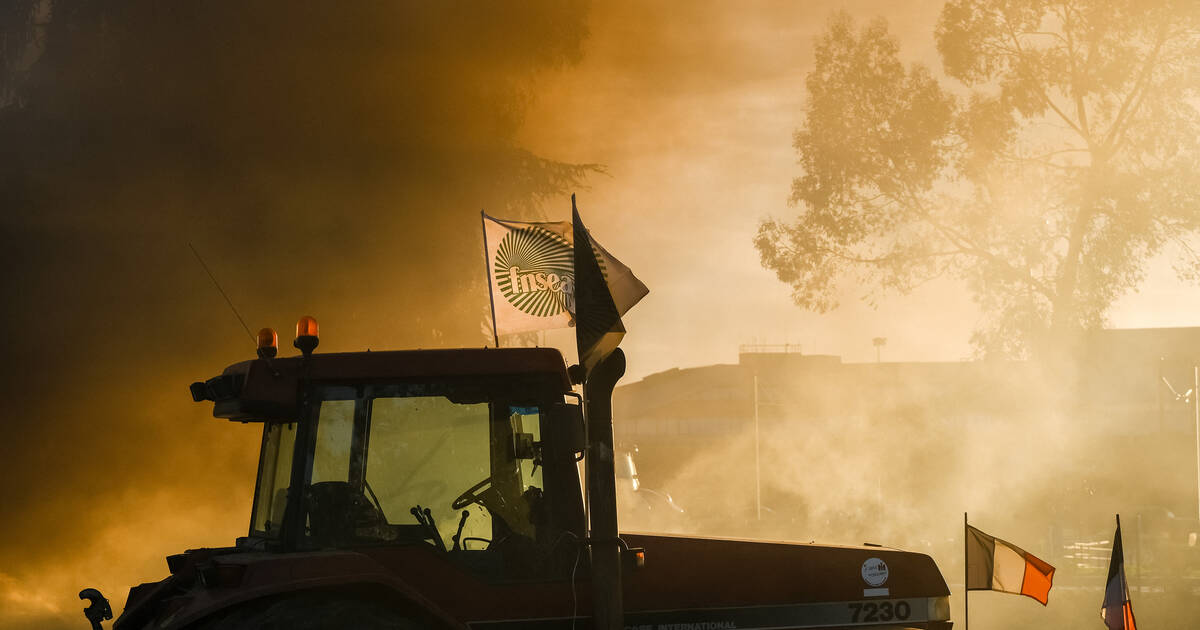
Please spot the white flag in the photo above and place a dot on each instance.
(625, 288)
(531, 274)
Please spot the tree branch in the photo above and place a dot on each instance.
(889, 257)
(1044, 160)
(1041, 89)
(1139, 89)
(968, 246)
(1080, 109)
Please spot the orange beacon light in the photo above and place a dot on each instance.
(307, 336)
(268, 343)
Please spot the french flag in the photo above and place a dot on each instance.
(1117, 610)
(997, 565)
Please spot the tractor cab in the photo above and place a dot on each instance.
(471, 452)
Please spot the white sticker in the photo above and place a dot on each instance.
(874, 571)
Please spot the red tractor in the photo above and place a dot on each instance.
(442, 489)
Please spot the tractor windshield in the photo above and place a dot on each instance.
(425, 451)
(381, 452)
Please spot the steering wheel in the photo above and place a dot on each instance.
(470, 495)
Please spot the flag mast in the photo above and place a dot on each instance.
(966, 580)
(1196, 390)
(487, 273)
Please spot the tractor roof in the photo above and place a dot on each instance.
(259, 390)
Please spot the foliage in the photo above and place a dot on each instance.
(1056, 159)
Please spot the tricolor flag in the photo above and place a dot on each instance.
(533, 281)
(1117, 610)
(997, 565)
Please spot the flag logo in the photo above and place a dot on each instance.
(534, 281)
(534, 270)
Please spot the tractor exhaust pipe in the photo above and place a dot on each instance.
(608, 608)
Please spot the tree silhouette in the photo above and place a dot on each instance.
(1057, 159)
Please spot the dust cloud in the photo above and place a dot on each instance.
(324, 160)
(331, 161)
(1029, 452)
(895, 453)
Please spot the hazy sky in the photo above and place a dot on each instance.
(693, 112)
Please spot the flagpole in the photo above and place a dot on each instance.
(1124, 578)
(966, 580)
(757, 467)
(487, 273)
(1196, 393)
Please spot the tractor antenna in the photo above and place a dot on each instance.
(253, 339)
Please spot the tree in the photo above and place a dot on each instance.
(1059, 156)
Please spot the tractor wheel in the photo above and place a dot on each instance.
(312, 612)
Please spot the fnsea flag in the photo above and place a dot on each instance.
(532, 277)
(531, 273)
(1117, 610)
(605, 290)
(997, 565)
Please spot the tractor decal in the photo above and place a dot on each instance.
(822, 615)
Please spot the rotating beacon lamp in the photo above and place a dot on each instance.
(268, 343)
(306, 335)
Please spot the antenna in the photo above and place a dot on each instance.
(222, 291)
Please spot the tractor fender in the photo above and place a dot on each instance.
(242, 579)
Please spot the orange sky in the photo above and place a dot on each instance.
(693, 112)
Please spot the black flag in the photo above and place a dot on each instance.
(1117, 610)
(598, 327)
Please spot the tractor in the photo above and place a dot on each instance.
(474, 488)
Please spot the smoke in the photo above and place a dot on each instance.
(330, 160)
(1040, 454)
(692, 107)
(324, 160)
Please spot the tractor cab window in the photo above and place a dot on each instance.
(424, 464)
(274, 477)
(335, 431)
(423, 453)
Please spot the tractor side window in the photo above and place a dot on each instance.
(429, 451)
(523, 537)
(338, 510)
(335, 426)
(274, 477)
(527, 421)
(516, 469)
